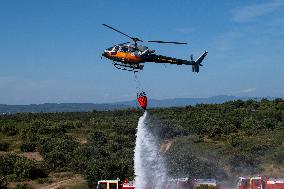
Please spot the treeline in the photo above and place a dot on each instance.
(58, 107)
(207, 140)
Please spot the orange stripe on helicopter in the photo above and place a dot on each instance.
(129, 57)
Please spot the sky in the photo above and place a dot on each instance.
(50, 50)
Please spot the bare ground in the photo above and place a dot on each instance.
(65, 183)
(68, 182)
(165, 146)
(30, 155)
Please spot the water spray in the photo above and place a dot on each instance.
(149, 165)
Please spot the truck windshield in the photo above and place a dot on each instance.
(102, 186)
(256, 182)
(245, 183)
(112, 186)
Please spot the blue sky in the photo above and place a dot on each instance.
(50, 50)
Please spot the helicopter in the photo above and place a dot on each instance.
(131, 56)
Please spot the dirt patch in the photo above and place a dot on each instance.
(30, 155)
(165, 146)
(83, 141)
(57, 182)
(66, 183)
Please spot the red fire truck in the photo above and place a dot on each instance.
(260, 183)
(180, 183)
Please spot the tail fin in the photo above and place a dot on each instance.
(200, 59)
(195, 66)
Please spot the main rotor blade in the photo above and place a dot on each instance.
(117, 30)
(173, 42)
(133, 38)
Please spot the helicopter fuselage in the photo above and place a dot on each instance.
(131, 59)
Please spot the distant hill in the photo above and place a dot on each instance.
(179, 102)
(85, 107)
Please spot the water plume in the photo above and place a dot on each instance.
(149, 165)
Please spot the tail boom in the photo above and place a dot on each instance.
(164, 59)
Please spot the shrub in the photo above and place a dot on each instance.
(278, 156)
(98, 137)
(18, 167)
(28, 147)
(9, 130)
(23, 186)
(23, 168)
(7, 164)
(57, 160)
(4, 146)
(53, 131)
(235, 140)
(58, 152)
(3, 183)
(29, 133)
(42, 180)
(11, 178)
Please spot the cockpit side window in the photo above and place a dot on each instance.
(130, 49)
(116, 48)
(124, 49)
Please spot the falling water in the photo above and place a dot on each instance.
(149, 167)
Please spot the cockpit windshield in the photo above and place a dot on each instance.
(120, 49)
(109, 49)
(113, 49)
(123, 49)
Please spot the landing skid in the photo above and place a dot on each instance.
(127, 67)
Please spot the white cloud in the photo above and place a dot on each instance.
(248, 13)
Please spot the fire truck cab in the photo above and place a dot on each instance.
(260, 183)
(251, 183)
(114, 184)
(244, 183)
